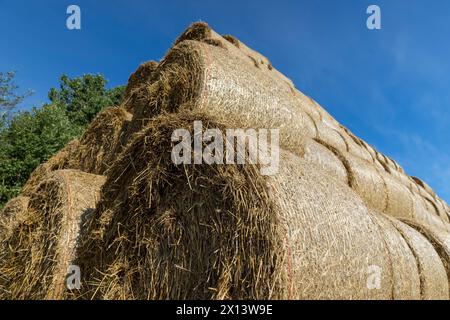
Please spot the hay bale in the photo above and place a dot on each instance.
(354, 146)
(424, 188)
(324, 115)
(163, 231)
(439, 239)
(204, 70)
(201, 32)
(383, 161)
(41, 244)
(258, 89)
(403, 266)
(326, 159)
(406, 181)
(14, 207)
(399, 198)
(441, 208)
(141, 77)
(392, 198)
(314, 110)
(425, 215)
(154, 259)
(11, 214)
(446, 208)
(433, 275)
(138, 94)
(367, 182)
(330, 136)
(324, 231)
(102, 141)
(373, 154)
(435, 208)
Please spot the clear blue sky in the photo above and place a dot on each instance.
(391, 87)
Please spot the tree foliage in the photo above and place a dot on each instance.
(84, 97)
(30, 139)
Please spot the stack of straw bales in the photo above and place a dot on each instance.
(163, 231)
(338, 221)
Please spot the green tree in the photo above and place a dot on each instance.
(83, 97)
(30, 139)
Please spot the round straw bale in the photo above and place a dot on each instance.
(14, 207)
(139, 93)
(312, 109)
(433, 275)
(164, 250)
(141, 77)
(224, 231)
(366, 181)
(354, 146)
(406, 280)
(391, 163)
(102, 141)
(413, 186)
(324, 229)
(405, 180)
(330, 136)
(426, 215)
(325, 159)
(399, 198)
(446, 208)
(373, 154)
(41, 246)
(15, 243)
(434, 208)
(425, 188)
(441, 209)
(440, 239)
(200, 31)
(11, 214)
(223, 78)
(383, 161)
(325, 116)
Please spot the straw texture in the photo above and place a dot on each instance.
(300, 234)
(40, 243)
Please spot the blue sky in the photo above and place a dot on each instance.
(391, 86)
